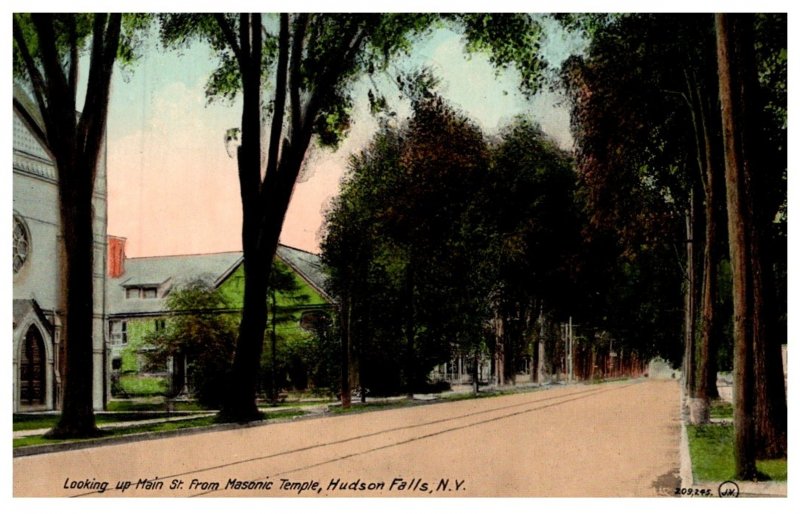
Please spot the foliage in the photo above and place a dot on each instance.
(398, 240)
(638, 160)
(312, 60)
(202, 332)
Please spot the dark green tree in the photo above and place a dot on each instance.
(530, 209)
(400, 240)
(637, 166)
(200, 332)
(670, 142)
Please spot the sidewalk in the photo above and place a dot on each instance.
(175, 416)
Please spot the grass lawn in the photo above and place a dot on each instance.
(37, 421)
(711, 448)
(111, 433)
(153, 427)
(152, 404)
(721, 409)
(139, 385)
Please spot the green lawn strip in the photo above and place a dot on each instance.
(711, 449)
(39, 421)
(721, 409)
(152, 405)
(121, 431)
(164, 426)
(136, 385)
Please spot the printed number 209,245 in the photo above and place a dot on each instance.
(688, 491)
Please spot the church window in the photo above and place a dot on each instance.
(22, 244)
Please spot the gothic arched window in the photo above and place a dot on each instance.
(22, 244)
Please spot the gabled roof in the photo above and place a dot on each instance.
(157, 271)
(214, 268)
(22, 307)
(307, 265)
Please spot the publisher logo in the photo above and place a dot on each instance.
(728, 489)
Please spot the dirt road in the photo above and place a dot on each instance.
(615, 439)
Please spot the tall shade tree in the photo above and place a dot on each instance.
(47, 51)
(670, 93)
(311, 61)
(760, 405)
(531, 207)
(635, 151)
(404, 234)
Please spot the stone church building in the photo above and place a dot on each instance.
(38, 303)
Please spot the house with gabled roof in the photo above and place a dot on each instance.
(137, 289)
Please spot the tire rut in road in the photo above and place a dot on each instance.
(552, 401)
(572, 397)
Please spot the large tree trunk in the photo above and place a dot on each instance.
(410, 332)
(264, 202)
(743, 360)
(75, 145)
(759, 406)
(77, 415)
(499, 357)
(707, 365)
(770, 393)
(690, 366)
(240, 401)
(347, 328)
(708, 147)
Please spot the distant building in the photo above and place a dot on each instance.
(38, 302)
(137, 289)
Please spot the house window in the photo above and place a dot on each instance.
(313, 320)
(119, 333)
(141, 292)
(22, 244)
(160, 325)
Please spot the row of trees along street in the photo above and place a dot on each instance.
(444, 239)
(473, 247)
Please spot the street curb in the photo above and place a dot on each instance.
(687, 478)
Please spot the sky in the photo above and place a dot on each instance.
(173, 189)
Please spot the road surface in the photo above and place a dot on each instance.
(617, 439)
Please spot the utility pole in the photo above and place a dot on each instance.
(540, 363)
(570, 350)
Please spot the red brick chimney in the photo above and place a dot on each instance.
(116, 256)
